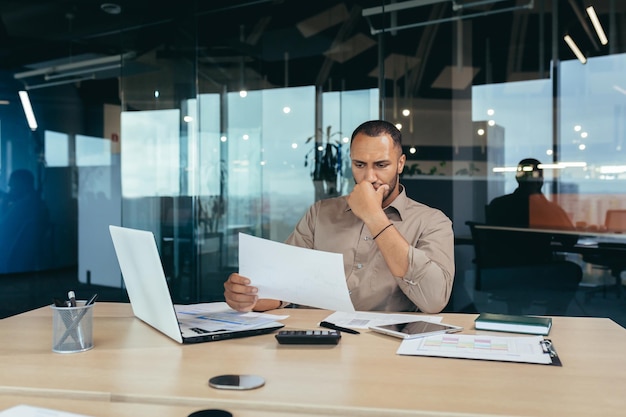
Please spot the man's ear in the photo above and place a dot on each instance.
(401, 163)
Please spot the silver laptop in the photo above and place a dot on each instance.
(150, 297)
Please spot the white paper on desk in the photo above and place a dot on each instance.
(217, 316)
(30, 411)
(298, 275)
(365, 319)
(469, 346)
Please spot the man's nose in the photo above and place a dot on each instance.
(370, 176)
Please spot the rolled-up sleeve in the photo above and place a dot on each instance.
(428, 281)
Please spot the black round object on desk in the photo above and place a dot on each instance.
(211, 413)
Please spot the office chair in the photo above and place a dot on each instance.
(611, 255)
(615, 221)
(520, 269)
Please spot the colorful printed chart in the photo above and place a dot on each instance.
(530, 349)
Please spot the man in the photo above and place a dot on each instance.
(528, 270)
(527, 206)
(398, 254)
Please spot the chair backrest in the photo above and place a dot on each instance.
(495, 248)
(615, 221)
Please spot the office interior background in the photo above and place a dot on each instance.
(200, 120)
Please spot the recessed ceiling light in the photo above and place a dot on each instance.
(111, 8)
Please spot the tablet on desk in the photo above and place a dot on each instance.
(415, 329)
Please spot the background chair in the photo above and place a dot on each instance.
(520, 269)
(611, 255)
(615, 221)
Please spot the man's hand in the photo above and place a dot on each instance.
(239, 294)
(366, 201)
(242, 296)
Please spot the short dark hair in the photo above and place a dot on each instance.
(375, 128)
(528, 170)
(22, 179)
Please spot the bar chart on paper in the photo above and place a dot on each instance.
(496, 348)
(473, 344)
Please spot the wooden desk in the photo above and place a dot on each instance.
(94, 408)
(132, 363)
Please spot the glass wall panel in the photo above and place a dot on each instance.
(475, 86)
(57, 149)
(92, 151)
(151, 153)
(485, 89)
(288, 123)
(592, 124)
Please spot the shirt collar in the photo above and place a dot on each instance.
(399, 204)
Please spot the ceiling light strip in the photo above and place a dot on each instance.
(572, 45)
(28, 110)
(597, 25)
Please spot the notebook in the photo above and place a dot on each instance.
(150, 297)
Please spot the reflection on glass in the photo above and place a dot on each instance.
(588, 181)
(591, 107)
(151, 152)
(527, 206)
(91, 151)
(56, 149)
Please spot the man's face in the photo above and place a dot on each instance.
(377, 161)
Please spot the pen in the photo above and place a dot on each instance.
(91, 300)
(72, 298)
(335, 327)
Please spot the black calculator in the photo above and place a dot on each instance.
(308, 337)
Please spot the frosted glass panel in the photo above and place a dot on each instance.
(150, 143)
(92, 151)
(210, 160)
(57, 149)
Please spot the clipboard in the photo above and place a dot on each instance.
(522, 349)
(548, 349)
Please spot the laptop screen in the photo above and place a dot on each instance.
(151, 301)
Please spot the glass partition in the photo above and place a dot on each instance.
(201, 120)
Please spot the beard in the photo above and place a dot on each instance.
(393, 184)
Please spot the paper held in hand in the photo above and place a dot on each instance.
(298, 275)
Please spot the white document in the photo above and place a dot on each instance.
(298, 275)
(365, 319)
(217, 316)
(30, 411)
(495, 348)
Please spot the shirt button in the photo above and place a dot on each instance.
(359, 266)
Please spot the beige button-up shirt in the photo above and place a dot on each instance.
(329, 225)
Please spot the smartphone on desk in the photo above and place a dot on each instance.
(415, 329)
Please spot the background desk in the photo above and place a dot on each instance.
(132, 363)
